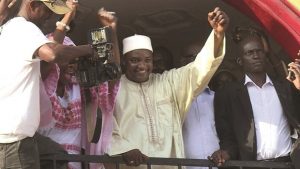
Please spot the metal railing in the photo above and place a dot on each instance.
(179, 162)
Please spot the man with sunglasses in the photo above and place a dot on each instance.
(22, 47)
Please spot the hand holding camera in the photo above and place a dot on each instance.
(104, 65)
(95, 69)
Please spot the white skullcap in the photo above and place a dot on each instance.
(136, 42)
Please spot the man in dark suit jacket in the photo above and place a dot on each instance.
(256, 117)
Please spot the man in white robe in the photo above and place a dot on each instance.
(150, 108)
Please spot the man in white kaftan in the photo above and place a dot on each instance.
(150, 108)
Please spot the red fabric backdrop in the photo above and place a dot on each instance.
(280, 18)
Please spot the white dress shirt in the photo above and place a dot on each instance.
(199, 132)
(272, 129)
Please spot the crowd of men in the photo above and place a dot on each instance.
(170, 113)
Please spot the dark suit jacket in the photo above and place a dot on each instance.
(235, 121)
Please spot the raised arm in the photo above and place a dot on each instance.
(4, 8)
(58, 36)
(195, 76)
(107, 18)
(62, 26)
(219, 21)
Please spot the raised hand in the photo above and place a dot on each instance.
(4, 8)
(218, 20)
(294, 72)
(73, 5)
(4, 4)
(107, 18)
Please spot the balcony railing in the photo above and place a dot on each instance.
(179, 162)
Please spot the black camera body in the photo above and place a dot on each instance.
(95, 69)
(100, 39)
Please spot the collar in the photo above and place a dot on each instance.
(135, 83)
(208, 91)
(249, 81)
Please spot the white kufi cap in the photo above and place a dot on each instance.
(136, 42)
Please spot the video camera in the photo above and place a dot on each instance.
(95, 69)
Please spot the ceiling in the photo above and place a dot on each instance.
(169, 23)
(156, 18)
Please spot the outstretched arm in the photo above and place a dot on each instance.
(219, 21)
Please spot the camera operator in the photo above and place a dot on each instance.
(67, 124)
(22, 47)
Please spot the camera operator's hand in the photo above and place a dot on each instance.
(134, 157)
(219, 21)
(107, 18)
